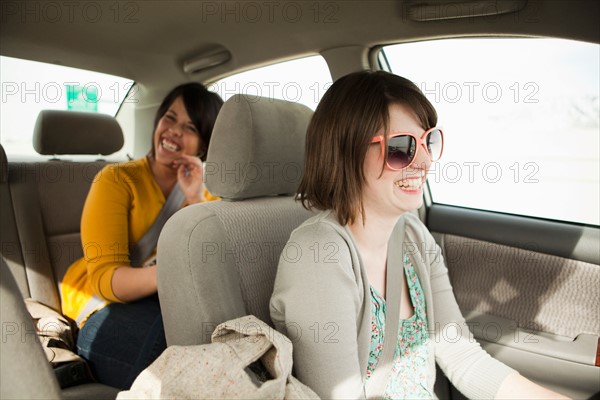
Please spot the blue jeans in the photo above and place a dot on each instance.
(120, 340)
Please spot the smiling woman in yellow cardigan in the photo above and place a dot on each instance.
(114, 301)
(123, 195)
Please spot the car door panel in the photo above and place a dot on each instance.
(530, 291)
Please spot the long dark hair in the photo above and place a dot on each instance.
(201, 105)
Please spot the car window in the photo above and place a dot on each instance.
(302, 80)
(29, 87)
(521, 123)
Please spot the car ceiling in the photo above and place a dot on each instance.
(148, 41)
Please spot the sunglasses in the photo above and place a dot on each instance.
(403, 147)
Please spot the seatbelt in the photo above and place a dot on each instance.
(377, 383)
(144, 247)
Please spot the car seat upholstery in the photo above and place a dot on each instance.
(25, 371)
(48, 198)
(41, 206)
(218, 260)
(10, 246)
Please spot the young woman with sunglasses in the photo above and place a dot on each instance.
(369, 147)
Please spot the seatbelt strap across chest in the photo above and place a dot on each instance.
(144, 247)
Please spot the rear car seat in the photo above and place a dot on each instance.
(41, 206)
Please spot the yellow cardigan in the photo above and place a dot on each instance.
(123, 202)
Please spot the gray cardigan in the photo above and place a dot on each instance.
(321, 301)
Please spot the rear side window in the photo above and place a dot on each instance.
(521, 123)
(29, 87)
(302, 80)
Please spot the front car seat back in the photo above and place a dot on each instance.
(218, 260)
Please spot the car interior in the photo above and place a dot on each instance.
(527, 280)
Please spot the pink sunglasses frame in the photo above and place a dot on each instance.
(420, 143)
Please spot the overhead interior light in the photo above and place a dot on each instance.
(206, 60)
(425, 10)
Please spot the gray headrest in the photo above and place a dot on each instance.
(257, 148)
(3, 165)
(73, 132)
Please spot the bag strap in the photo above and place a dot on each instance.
(393, 290)
(147, 243)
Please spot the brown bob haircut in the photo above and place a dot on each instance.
(201, 105)
(350, 114)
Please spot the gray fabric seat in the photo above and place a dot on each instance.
(40, 239)
(41, 205)
(25, 371)
(218, 260)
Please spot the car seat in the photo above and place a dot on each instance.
(217, 260)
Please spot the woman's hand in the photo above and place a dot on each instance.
(130, 284)
(516, 386)
(189, 178)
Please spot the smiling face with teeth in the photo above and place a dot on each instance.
(175, 134)
(389, 192)
(344, 170)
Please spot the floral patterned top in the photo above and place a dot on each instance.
(409, 373)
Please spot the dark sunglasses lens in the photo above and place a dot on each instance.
(435, 143)
(401, 151)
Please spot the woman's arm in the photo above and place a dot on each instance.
(105, 233)
(112, 217)
(129, 284)
(470, 368)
